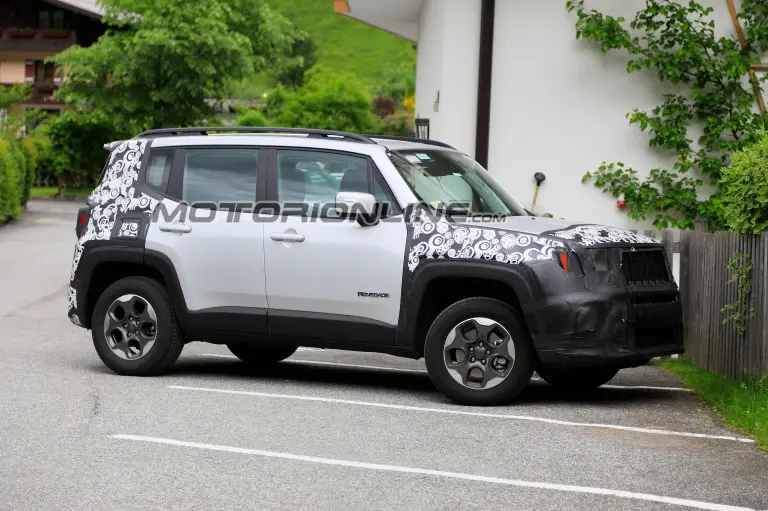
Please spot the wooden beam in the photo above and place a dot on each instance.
(743, 43)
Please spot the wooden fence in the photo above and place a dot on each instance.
(700, 266)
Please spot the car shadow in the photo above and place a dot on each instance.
(537, 392)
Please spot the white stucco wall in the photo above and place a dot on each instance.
(559, 105)
(448, 60)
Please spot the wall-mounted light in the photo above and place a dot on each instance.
(422, 128)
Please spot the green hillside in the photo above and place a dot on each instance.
(344, 44)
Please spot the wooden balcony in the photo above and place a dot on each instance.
(36, 40)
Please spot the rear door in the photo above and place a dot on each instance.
(331, 279)
(205, 228)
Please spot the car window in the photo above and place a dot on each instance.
(451, 180)
(159, 169)
(315, 177)
(220, 175)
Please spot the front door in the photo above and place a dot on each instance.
(331, 279)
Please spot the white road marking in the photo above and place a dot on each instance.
(439, 473)
(304, 348)
(449, 411)
(421, 371)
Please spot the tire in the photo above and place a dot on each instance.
(262, 354)
(578, 379)
(457, 383)
(168, 339)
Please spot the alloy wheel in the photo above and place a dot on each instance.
(130, 327)
(479, 353)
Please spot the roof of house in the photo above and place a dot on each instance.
(85, 7)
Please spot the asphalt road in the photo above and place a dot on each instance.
(324, 430)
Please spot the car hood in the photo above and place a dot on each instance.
(567, 231)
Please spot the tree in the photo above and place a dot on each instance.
(677, 42)
(161, 61)
(77, 144)
(301, 58)
(327, 100)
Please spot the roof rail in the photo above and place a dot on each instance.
(413, 139)
(252, 129)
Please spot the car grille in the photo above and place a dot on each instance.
(644, 267)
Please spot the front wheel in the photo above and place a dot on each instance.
(262, 354)
(478, 352)
(578, 379)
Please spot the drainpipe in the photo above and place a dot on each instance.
(487, 22)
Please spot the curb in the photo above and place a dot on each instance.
(62, 198)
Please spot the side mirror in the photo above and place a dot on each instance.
(360, 205)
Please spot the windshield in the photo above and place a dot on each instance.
(451, 181)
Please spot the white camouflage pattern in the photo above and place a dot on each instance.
(438, 238)
(116, 194)
(597, 234)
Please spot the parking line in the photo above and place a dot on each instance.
(421, 371)
(449, 411)
(438, 473)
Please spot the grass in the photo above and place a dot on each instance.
(51, 191)
(344, 44)
(742, 405)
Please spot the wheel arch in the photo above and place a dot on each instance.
(436, 284)
(103, 265)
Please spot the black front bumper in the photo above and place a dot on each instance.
(605, 329)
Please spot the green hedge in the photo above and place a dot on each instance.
(17, 174)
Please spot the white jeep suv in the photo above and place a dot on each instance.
(266, 239)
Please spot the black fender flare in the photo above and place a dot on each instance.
(94, 254)
(520, 278)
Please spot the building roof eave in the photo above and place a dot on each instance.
(87, 8)
(398, 18)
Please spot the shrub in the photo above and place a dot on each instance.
(384, 106)
(12, 180)
(744, 186)
(397, 82)
(77, 143)
(251, 117)
(329, 101)
(29, 151)
(399, 124)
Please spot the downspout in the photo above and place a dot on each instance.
(482, 134)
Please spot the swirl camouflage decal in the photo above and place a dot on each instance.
(597, 234)
(436, 238)
(129, 230)
(115, 196)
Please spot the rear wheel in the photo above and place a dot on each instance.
(134, 328)
(478, 352)
(578, 379)
(262, 354)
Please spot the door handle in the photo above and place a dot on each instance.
(286, 236)
(180, 228)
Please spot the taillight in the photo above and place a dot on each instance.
(82, 220)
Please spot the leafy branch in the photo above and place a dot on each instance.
(740, 312)
(677, 42)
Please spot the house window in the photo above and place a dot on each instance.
(58, 20)
(44, 20)
(44, 72)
